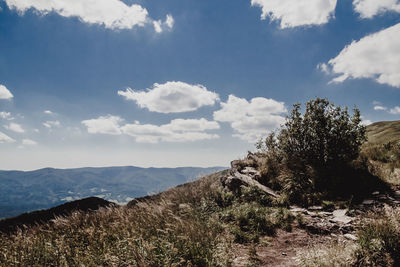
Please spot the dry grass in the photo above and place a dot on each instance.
(331, 255)
(175, 230)
(189, 225)
(384, 131)
(378, 244)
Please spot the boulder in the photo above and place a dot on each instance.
(339, 216)
(350, 237)
(235, 181)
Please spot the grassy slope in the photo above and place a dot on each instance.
(45, 188)
(383, 132)
(193, 224)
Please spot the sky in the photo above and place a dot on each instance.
(172, 83)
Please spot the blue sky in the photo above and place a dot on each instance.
(182, 83)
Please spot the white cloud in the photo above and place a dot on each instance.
(160, 26)
(169, 21)
(6, 115)
(51, 124)
(29, 142)
(5, 93)
(395, 110)
(251, 120)
(172, 97)
(178, 130)
(376, 56)
(371, 8)
(192, 125)
(294, 13)
(112, 14)
(49, 112)
(157, 25)
(15, 127)
(366, 122)
(380, 108)
(104, 125)
(5, 138)
(324, 68)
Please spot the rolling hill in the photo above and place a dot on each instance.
(41, 189)
(383, 132)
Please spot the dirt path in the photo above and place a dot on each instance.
(280, 250)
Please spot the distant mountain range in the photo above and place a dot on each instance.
(41, 189)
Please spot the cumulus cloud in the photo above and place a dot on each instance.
(5, 93)
(294, 13)
(6, 115)
(51, 124)
(172, 97)
(160, 26)
(49, 112)
(5, 138)
(104, 125)
(366, 122)
(112, 14)
(178, 130)
(15, 127)
(251, 120)
(395, 110)
(380, 107)
(376, 56)
(371, 8)
(169, 21)
(29, 142)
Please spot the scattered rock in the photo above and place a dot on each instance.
(235, 181)
(339, 216)
(235, 164)
(315, 208)
(252, 172)
(296, 209)
(368, 202)
(375, 193)
(350, 237)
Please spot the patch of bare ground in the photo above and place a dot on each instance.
(279, 250)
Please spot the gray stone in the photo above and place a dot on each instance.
(296, 209)
(234, 182)
(351, 237)
(368, 202)
(315, 208)
(339, 216)
(251, 171)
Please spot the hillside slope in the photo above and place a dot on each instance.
(41, 189)
(383, 132)
(44, 216)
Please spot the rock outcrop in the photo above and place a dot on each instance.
(316, 220)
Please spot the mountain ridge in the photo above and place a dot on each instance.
(24, 191)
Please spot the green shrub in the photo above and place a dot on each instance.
(313, 156)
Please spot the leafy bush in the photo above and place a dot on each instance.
(313, 156)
